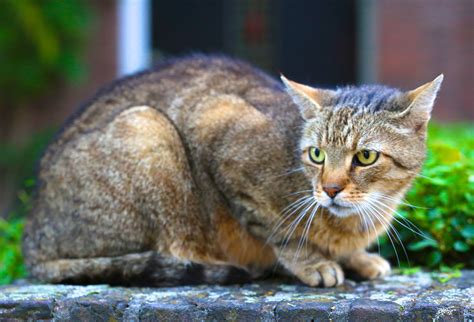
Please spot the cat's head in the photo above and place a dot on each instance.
(362, 146)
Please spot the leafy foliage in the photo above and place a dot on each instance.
(11, 260)
(444, 194)
(40, 41)
(20, 162)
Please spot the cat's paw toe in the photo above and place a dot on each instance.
(326, 274)
(374, 267)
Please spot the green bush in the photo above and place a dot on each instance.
(444, 194)
(20, 161)
(40, 44)
(11, 260)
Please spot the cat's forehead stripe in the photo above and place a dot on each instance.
(340, 130)
(370, 98)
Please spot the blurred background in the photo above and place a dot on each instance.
(56, 54)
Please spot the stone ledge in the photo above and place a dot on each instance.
(416, 297)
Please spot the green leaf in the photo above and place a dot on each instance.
(422, 244)
(444, 197)
(29, 183)
(438, 182)
(468, 232)
(461, 246)
(34, 35)
(434, 258)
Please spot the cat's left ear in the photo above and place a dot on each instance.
(310, 100)
(420, 102)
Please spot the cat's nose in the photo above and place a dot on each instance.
(332, 189)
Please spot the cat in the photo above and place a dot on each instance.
(205, 169)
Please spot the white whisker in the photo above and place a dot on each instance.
(372, 211)
(395, 231)
(420, 175)
(373, 225)
(301, 169)
(293, 204)
(293, 209)
(362, 218)
(306, 229)
(402, 201)
(418, 232)
(375, 229)
(298, 192)
(291, 229)
(294, 225)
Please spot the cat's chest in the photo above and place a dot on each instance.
(341, 239)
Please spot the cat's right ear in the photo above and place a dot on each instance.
(309, 100)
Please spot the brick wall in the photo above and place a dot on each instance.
(418, 39)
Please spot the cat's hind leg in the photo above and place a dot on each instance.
(115, 192)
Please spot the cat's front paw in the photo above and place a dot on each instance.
(376, 267)
(369, 266)
(326, 274)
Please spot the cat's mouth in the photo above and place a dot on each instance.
(337, 206)
(340, 209)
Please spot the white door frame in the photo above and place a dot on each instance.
(134, 36)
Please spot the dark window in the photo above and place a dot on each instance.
(309, 41)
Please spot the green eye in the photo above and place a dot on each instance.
(316, 155)
(366, 157)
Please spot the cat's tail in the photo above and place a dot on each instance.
(139, 269)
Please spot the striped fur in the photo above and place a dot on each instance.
(181, 174)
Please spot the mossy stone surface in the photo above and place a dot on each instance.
(396, 298)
